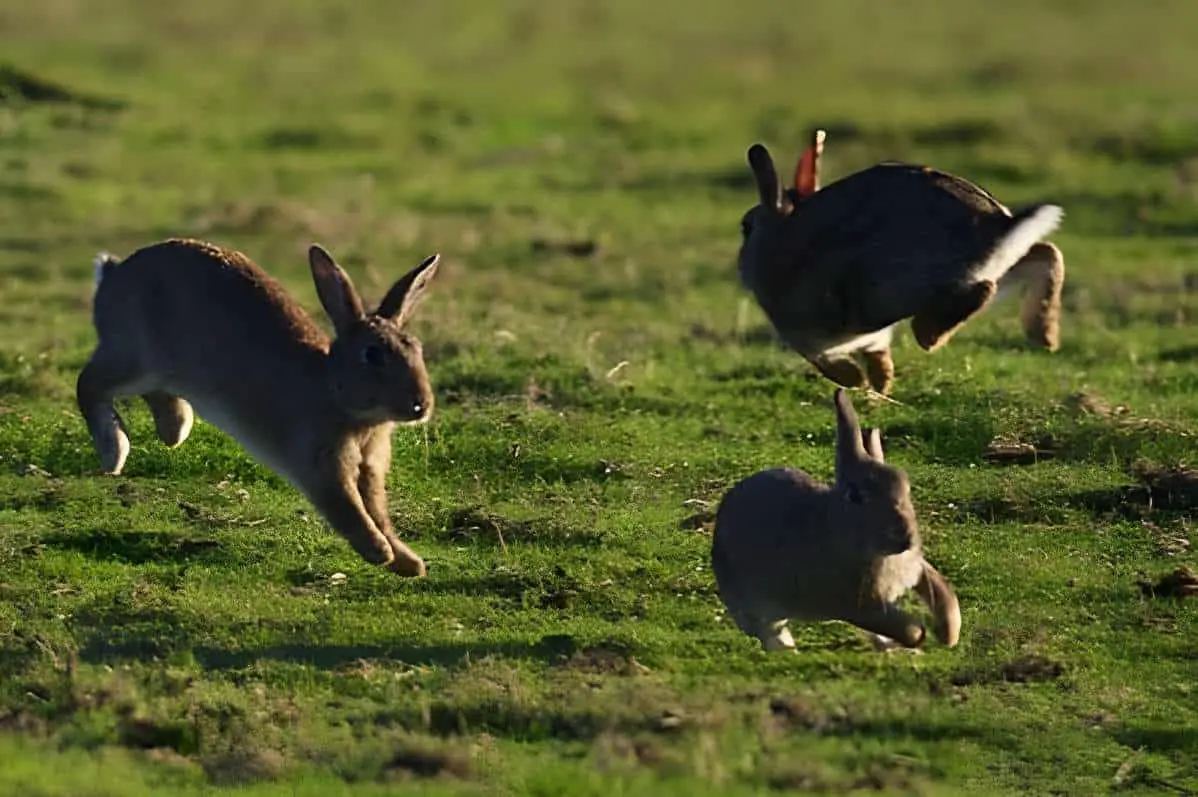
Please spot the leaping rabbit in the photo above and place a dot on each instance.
(184, 323)
(787, 547)
(836, 269)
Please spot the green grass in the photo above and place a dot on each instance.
(179, 629)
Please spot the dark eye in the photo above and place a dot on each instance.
(372, 354)
(853, 493)
(746, 227)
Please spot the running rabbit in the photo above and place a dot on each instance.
(789, 547)
(185, 323)
(837, 269)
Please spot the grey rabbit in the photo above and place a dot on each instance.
(185, 323)
(787, 547)
(836, 269)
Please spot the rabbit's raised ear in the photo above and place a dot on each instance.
(766, 176)
(873, 444)
(807, 171)
(336, 292)
(405, 294)
(849, 449)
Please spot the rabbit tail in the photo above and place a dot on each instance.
(101, 263)
(1028, 228)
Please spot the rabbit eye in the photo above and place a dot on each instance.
(745, 227)
(853, 493)
(372, 354)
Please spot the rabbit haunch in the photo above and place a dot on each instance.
(185, 323)
(787, 547)
(837, 268)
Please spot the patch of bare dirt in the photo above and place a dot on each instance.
(700, 521)
(603, 661)
(1014, 452)
(240, 766)
(1169, 487)
(425, 760)
(613, 750)
(1181, 583)
(1031, 668)
(801, 713)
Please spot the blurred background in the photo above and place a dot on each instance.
(580, 164)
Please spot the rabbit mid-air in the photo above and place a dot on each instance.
(787, 547)
(836, 269)
(185, 323)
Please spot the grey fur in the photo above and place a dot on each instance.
(787, 547)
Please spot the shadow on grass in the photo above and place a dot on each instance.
(1131, 502)
(136, 547)
(1159, 739)
(332, 657)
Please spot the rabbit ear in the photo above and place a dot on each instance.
(873, 443)
(406, 294)
(807, 171)
(849, 449)
(336, 292)
(766, 175)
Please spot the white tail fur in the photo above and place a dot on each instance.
(1031, 230)
(99, 262)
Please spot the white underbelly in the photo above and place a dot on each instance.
(873, 341)
(256, 442)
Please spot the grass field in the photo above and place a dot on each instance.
(601, 379)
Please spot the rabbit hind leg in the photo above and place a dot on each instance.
(772, 634)
(173, 417)
(108, 375)
(939, 320)
(1041, 275)
(776, 636)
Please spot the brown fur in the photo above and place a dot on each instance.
(879, 366)
(1043, 272)
(185, 321)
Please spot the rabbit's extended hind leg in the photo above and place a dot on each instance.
(884, 644)
(776, 636)
(773, 635)
(105, 378)
(940, 319)
(173, 417)
(1041, 274)
(889, 621)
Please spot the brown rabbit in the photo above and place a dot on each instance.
(837, 269)
(787, 547)
(185, 323)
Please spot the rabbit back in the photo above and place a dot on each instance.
(779, 552)
(869, 250)
(190, 299)
(207, 324)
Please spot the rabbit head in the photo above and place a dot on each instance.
(762, 226)
(376, 367)
(877, 495)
